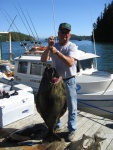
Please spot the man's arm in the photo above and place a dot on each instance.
(45, 55)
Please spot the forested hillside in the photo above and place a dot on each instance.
(76, 37)
(103, 28)
(16, 36)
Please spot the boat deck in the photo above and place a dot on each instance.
(87, 124)
(85, 78)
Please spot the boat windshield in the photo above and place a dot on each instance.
(22, 67)
(5, 68)
(36, 68)
(87, 63)
(8, 69)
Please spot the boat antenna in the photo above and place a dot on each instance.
(54, 20)
(34, 28)
(93, 35)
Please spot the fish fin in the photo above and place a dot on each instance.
(98, 139)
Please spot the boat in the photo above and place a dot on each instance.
(14, 105)
(16, 100)
(94, 87)
(95, 90)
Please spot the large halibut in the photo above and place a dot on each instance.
(51, 100)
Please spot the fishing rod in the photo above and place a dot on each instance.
(24, 43)
(26, 20)
(21, 43)
(34, 28)
(22, 20)
(11, 20)
(54, 20)
(6, 19)
(12, 23)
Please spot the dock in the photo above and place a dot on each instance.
(87, 124)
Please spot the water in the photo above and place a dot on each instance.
(105, 51)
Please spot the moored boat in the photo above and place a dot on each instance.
(16, 100)
(94, 88)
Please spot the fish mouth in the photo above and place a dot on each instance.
(56, 80)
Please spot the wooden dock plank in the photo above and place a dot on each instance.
(86, 124)
(83, 127)
(110, 146)
(97, 123)
(106, 131)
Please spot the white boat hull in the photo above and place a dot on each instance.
(16, 107)
(97, 104)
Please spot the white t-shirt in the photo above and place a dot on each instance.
(70, 49)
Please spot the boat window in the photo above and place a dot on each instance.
(86, 64)
(3, 69)
(8, 69)
(36, 68)
(22, 67)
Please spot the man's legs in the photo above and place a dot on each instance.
(70, 86)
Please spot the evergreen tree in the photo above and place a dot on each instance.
(103, 28)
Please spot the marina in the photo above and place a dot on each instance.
(21, 126)
(87, 124)
(94, 103)
(91, 120)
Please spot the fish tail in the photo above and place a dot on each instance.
(52, 137)
(56, 137)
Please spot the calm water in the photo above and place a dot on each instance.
(105, 51)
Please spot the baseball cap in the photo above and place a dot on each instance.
(64, 26)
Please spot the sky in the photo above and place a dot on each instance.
(41, 18)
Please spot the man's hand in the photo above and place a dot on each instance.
(51, 43)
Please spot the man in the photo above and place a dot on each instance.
(64, 55)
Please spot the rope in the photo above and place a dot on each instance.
(81, 101)
(107, 87)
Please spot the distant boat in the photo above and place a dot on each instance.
(46, 39)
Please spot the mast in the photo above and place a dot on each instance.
(10, 46)
(93, 35)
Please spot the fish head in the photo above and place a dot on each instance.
(51, 75)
